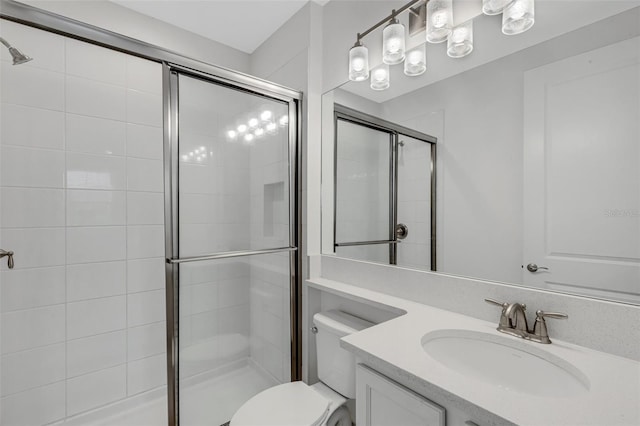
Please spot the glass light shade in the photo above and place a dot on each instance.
(393, 43)
(460, 41)
(439, 20)
(494, 7)
(358, 63)
(518, 17)
(415, 62)
(380, 77)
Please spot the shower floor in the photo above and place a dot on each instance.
(210, 402)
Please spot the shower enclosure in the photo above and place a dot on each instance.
(231, 241)
(384, 190)
(151, 203)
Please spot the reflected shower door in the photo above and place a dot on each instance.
(414, 203)
(363, 184)
(233, 253)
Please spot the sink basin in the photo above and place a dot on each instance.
(505, 362)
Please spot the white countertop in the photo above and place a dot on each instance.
(395, 347)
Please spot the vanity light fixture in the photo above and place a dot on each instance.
(380, 77)
(460, 42)
(416, 61)
(494, 7)
(518, 17)
(439, 20)
(436, 17)
(393, 43)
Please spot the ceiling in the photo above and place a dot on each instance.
(241, 24)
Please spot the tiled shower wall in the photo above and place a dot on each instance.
(82, 208)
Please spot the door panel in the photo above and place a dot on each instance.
(582, 114)
(363, 179)
(414, 202)
(233, 169)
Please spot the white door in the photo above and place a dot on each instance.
(581, 173)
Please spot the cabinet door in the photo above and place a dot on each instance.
(383, 402)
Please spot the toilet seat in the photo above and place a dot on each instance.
(289, 404)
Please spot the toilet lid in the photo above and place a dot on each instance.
(289, 404)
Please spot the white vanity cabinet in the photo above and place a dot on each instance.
(381, 401)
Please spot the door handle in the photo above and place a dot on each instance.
(9, 255)
(532, 267)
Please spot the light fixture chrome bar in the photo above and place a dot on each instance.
(393, 14)
(228, 254)
(366, 243)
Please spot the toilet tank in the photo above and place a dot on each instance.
(336, 366)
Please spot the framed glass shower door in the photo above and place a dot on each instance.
(231, 244)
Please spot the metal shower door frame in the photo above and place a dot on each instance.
(171, 93)
(47, 21)
(354, 116)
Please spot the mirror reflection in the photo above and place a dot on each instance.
(518, 163)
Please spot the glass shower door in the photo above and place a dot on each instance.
(363, 191)
(233, 250)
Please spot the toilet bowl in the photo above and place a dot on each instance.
(321, 404)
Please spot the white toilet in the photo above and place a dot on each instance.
(321, 404)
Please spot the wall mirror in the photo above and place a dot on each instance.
(519, 163)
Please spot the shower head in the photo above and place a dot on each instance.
(17, 55)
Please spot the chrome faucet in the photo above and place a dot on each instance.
(513, 321)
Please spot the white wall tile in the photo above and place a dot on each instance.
(146, 374)
(88, 97)
(93, 208)
(96, 316)
(145, 175)
(234, 319)
(95, 62)
(145, 208)
(94, 280)
(31, 207)
(85, 171)
(31, 86)
(29, 369)
(32, 288)
(144, 108)
(31, 167)
(204, 325)
(204, 297)
(81, 391)
(145, 274)
(95, 244)
(233, 292)
(96, 353)
(95, 135)
(31, 328)
(146, 340)
(145, 241)
(37, 406)
(145, 308)
(32, 127)
(144, 75)
(144, 141)
(34, 247)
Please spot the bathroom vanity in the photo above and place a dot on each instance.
(436, 367)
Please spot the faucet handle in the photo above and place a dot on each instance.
(540, 332)
(504, 321)
(503, 305)
(556, 315)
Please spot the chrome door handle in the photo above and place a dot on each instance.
(9, 255)
(532, 267)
